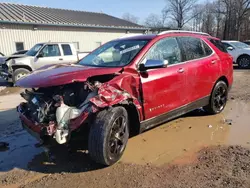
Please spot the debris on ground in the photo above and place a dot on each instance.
(228, 121)
(210, 126)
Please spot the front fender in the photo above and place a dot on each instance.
(22, 62)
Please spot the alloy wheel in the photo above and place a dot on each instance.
(220, 98)
(118, 137)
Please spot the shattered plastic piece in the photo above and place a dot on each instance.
(210, 126)
(228, 121)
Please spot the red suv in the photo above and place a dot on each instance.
(126, 86)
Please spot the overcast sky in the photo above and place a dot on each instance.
(139, 8)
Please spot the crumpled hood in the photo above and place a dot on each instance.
(56, 75)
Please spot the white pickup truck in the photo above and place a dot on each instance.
(40, 55)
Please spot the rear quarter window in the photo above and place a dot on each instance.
(218, 45)
(66, 49)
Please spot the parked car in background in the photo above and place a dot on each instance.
(240, 52)
(40, 55)
(247, 42)
(3, 67)
(2, 58)
(146, 80)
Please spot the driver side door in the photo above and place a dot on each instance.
(50, 54)
(164, 89)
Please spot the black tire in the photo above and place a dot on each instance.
(19, 73)
(218, 98)
(244, 62)
(108, 140)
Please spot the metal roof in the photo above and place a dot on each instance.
(26, 14)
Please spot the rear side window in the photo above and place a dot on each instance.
(66, 49)
(194, 48)
(219, 45)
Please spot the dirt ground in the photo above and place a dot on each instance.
(192, 151)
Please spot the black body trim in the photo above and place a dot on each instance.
(153, 122)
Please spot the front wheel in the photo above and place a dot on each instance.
(20, 73)
(108, 136)
(218, 98)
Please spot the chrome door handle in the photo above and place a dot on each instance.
(181, 70)
(214, 61)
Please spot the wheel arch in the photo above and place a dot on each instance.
(15, 67)
(134, 117)
(222, 78)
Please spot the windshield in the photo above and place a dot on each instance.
(114, 53)
(33, 51)
(240, 45)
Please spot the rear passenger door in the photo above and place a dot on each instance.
(203, 68)
(68, 54)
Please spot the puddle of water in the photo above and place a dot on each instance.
(239, 113)
(158, 146)
(187, 135)
(21, 151)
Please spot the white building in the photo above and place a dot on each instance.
(22, 26)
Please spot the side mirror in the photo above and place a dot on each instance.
(40, 55)
(230, 48)
(153, 64)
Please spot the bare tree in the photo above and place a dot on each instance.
(197, 14)
(153, 20)
(180, 10)
(131, 18)
(208, 19)
(164, 15)
(235, 13)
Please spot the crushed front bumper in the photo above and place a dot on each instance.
(29, 126)
(40, 131)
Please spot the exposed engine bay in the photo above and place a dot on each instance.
(43, 102)
(55, 108)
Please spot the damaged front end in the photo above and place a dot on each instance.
(55, 112)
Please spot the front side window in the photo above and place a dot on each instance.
(33, 51)
(114, 53)
(165, 49)
(51, 50)
(226, 45)
(193, 48)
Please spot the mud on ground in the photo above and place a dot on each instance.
(191, 151)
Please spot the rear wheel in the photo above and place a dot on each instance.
(20, 73)
(218, 98)
(244, 62)
(108, 136)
